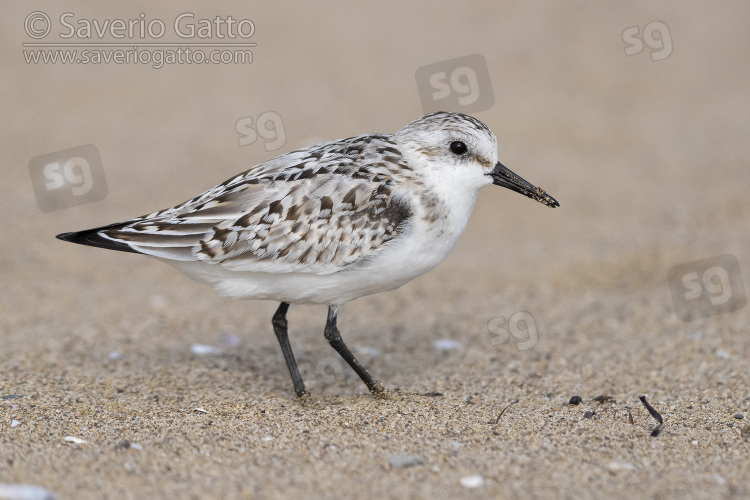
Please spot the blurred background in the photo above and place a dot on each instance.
(645, 152)
(634, 116)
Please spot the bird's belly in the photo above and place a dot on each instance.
(402, 261)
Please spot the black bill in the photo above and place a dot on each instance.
(503, 176)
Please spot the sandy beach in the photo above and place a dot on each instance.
(122, 378)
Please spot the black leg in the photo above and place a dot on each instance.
(333, 336)
(280, 328)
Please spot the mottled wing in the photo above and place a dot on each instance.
(317, 225)
(314, 210)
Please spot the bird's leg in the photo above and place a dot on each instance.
(333, 336)
(280, 328)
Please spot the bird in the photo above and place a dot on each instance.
(329, 223)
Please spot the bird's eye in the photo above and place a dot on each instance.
(458, 148)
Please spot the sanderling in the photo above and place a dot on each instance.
(328, 223)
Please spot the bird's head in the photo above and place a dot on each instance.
(461, 151)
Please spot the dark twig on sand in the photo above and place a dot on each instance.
(654, 414)
(501, 413)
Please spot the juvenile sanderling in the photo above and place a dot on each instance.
(328, 223)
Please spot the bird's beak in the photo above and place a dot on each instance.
(503, 176)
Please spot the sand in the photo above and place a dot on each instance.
(647, 157)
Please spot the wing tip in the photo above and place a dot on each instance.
(92, 238)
